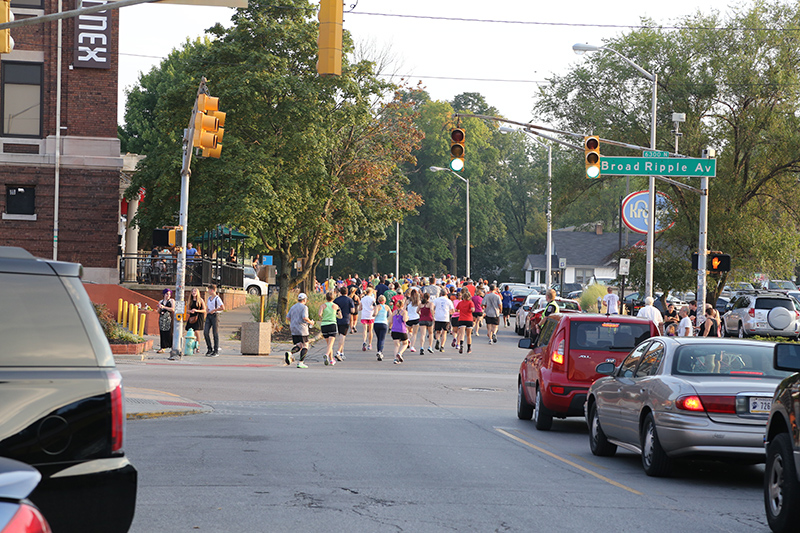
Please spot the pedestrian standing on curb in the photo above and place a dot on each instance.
(329, 313)
(400, 331)
(166, 319)
(197, 314)
(442, 308)
(426, 322)
(492, 309)
(465, 309)
(348, 309)
(381, 315)
(506, 297)
(298, 326)
(367, 309)
(650, 312)
(685, 327)
(412, 308)
(214, 306)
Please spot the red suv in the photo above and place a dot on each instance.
(556, 374)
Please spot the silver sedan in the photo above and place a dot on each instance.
(684, 397)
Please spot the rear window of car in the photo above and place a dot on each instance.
(40, 324)
(572, 306)
(726, 359)
(521, 292)
(771, 303)
(607, 335)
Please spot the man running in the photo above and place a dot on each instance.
(442, 307)
(348, 308)
(506, 296)
(492, 307)
(298, 325)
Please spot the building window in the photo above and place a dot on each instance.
(20, 200)
(583, 275)
(35, 4)
(22, 99)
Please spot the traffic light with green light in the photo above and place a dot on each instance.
(457, 149)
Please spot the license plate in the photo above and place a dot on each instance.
(761, 325)
(760, 405)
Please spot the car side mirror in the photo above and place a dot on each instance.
(525, 344)
(605, 368)
(728, 307)
(787, 357)
(526, 308)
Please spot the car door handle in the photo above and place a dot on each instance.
(641, 391)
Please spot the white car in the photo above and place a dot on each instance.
(533, 301)
(252, 284)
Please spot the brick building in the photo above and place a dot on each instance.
(85, 161)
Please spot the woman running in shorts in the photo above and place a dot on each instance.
(465, 321)
(381, 315)
(328, 313)
(367, 310)
(426, 322)
(400, 331)
(477, 300)
(412, 308)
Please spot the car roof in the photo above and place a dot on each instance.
(596, 317)
(19, 261)
(680, 341)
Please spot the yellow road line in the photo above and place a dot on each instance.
(570, 463)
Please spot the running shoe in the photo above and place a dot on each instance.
(461, 349)
(380, 356)
(397, 362)
(412, 350)
(441, 349)
(326, 361)
(429, 350)
(333, 362)
(469, 348)
(400, 358)
(369, 347)
(338, 356)
(364, 347)
(302, 365)
(437, 344)
(490, 341)
(494, 339)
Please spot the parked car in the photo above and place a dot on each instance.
(568, 288)
(556, 373)
(761, 313)
(535, 315)
(678, 397)
(61, 397)
(633, 302)
(254, 286)
(518, 297)
(780, 285)
(532, 302)
(782, 439)
(17, 513)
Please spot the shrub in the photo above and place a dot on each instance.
(589, 297)
(115, 333)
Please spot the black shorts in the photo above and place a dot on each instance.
(425, 323)
(328, 330)
(506, 311)
(477, 315)
(440, 326)
(465, 323)
(454, 321)
(399, 336)
(297, 339)
(343, 329)
(411, 323)
(492, 320)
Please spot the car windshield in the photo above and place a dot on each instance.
(733, 359)
(521, 292)
(607, 335)
(770, 303)
(785, 285)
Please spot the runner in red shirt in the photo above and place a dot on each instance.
(465, 321)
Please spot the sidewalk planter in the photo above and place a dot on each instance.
(256, 338)
(132, 349)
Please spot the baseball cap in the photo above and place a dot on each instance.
(302, 296)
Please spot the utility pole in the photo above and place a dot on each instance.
(702, 245)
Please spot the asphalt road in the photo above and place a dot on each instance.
(433, 444)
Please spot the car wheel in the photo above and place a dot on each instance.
(524, 409)
(725, 332)
(741, 333)
(655, 461)
(781, 487)
(254, 290)
(597, 438)
(542, 416)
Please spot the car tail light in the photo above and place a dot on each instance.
(558, 353)
(27, 519)
(117, 411)
(752, 312)
(707, 403)
(557, 390)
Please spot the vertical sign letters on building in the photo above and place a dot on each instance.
(92, 36)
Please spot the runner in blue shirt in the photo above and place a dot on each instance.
(507, 296)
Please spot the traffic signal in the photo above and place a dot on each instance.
(329, 42)
(591, 151)
(6, 42)
(719, 262)
(208, 122)
(457, 149)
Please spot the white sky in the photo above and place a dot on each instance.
(428, 48)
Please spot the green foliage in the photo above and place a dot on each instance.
(115, 333)
(590, 295)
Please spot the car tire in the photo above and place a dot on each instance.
(740, 331)
(598, 442)
(655, 461)
(542, 416)
(781, 487)
(254, 290)
(524, 409)
(725, 332)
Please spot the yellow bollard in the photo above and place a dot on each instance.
(119, 311)
(131, 316)
(124, 314)
(134, 322)
(141, 324)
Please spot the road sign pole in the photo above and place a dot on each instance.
(702, 246)
(651, 210)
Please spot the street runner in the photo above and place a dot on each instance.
(298, 326)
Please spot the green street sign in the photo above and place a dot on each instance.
(673, 167)
(654, 153)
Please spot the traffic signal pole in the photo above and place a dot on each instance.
(702, 247)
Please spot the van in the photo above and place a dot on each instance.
(560, 366)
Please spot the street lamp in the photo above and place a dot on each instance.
(580, 49)
(465, 180)
(549, 247)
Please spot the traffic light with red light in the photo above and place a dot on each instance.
(329, 42)
(208, 126)
(591, 152)
(457, 149)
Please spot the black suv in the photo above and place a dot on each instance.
(782, 477)
(61, 398)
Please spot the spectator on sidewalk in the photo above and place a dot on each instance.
(214, 306)
(650, 312)
(166, 319)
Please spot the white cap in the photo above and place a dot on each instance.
(302, 296)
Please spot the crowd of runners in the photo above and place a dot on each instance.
(414, 311)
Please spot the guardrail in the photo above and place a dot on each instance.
(161, 270)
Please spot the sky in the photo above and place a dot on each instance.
(502, 61)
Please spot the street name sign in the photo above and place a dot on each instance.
(661, 166)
